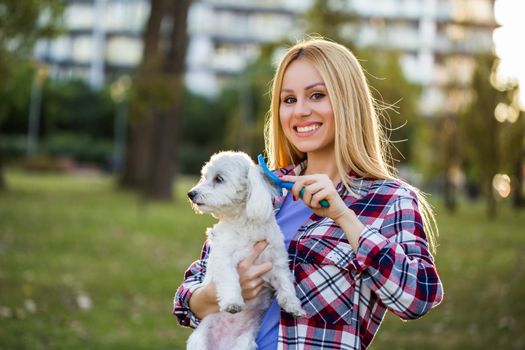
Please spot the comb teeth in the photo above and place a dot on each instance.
(283, 184)
(272, 176)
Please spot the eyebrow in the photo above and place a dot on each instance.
(306, 88)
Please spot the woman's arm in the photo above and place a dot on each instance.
(194, 301)
(395, 262)
(204, 300)
(193, 278)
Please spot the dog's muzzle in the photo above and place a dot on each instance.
(192, 195)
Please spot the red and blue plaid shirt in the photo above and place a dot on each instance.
(345, 293)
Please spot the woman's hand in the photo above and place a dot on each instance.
(250, 274)
(204, 300)
(316, 188)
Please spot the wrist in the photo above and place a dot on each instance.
(204, 301)
(351, 226)
(346, 215)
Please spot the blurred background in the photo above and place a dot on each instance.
(109, 108)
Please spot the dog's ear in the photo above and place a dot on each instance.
(259, 204)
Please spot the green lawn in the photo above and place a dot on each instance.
(85, 267)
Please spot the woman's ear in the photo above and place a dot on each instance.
(259, 204)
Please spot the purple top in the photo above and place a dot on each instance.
(291, 217)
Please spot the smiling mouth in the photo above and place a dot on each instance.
(307, 129)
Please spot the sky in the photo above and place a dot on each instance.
(510, 42)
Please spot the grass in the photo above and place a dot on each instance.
(83, 266)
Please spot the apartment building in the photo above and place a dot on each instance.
(437, 39)
(103, 38)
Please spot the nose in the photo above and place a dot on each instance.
(192, 194)
(302, 109)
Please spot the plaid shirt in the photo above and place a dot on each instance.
(346, 293)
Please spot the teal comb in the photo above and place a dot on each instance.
(284, 184)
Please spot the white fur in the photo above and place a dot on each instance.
(242, 202)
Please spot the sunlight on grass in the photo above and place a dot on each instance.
(83, 266)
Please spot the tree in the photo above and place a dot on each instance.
(480, 131)
(22, 23)
(157, 105)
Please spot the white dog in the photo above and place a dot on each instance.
(233, 190)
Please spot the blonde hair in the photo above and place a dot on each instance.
(360, 142)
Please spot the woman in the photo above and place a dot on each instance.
(369, 251)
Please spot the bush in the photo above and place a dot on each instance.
(192, 157)
(82, 148)
(13, 146)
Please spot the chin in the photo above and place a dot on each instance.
(311, 147)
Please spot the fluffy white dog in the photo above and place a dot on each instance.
(233, 189)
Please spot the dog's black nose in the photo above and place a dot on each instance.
(192, 194)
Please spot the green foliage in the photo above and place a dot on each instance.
(396, 100)
(76, 121)
(15, 95)
(478, 128)
(248, 101)
(22, 23)
(73, 106)
(203, 130)
(78, 146)
(489, 145)
(64, 239)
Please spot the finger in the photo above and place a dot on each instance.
(252, 284)
(296, 190)
(310, 191)
(252, 293)
(292, 178)
(254, 272)
(260, 270)
(318, 197)
(289, 178)
(257, 249)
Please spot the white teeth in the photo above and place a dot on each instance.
(308, 128)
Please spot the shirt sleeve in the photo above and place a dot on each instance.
(395, 262)
(193, 278)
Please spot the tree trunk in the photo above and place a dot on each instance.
(151, 154)
(492, 209)
(137, 153)
(3, 185)
(137, 149)
(161, 169)
(518, 196)
(451, 154)
(450, 194)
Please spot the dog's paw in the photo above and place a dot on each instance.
(233, 308)
(292, 306)
(297, 312)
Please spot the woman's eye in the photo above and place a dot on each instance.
(289, 100)
(317, 96)
(218, 179)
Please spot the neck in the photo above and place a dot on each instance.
(322, 164)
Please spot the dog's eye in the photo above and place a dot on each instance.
(218, 179)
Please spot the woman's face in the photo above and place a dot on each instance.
(305, 110)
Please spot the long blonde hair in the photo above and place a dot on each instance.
(360, 142)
